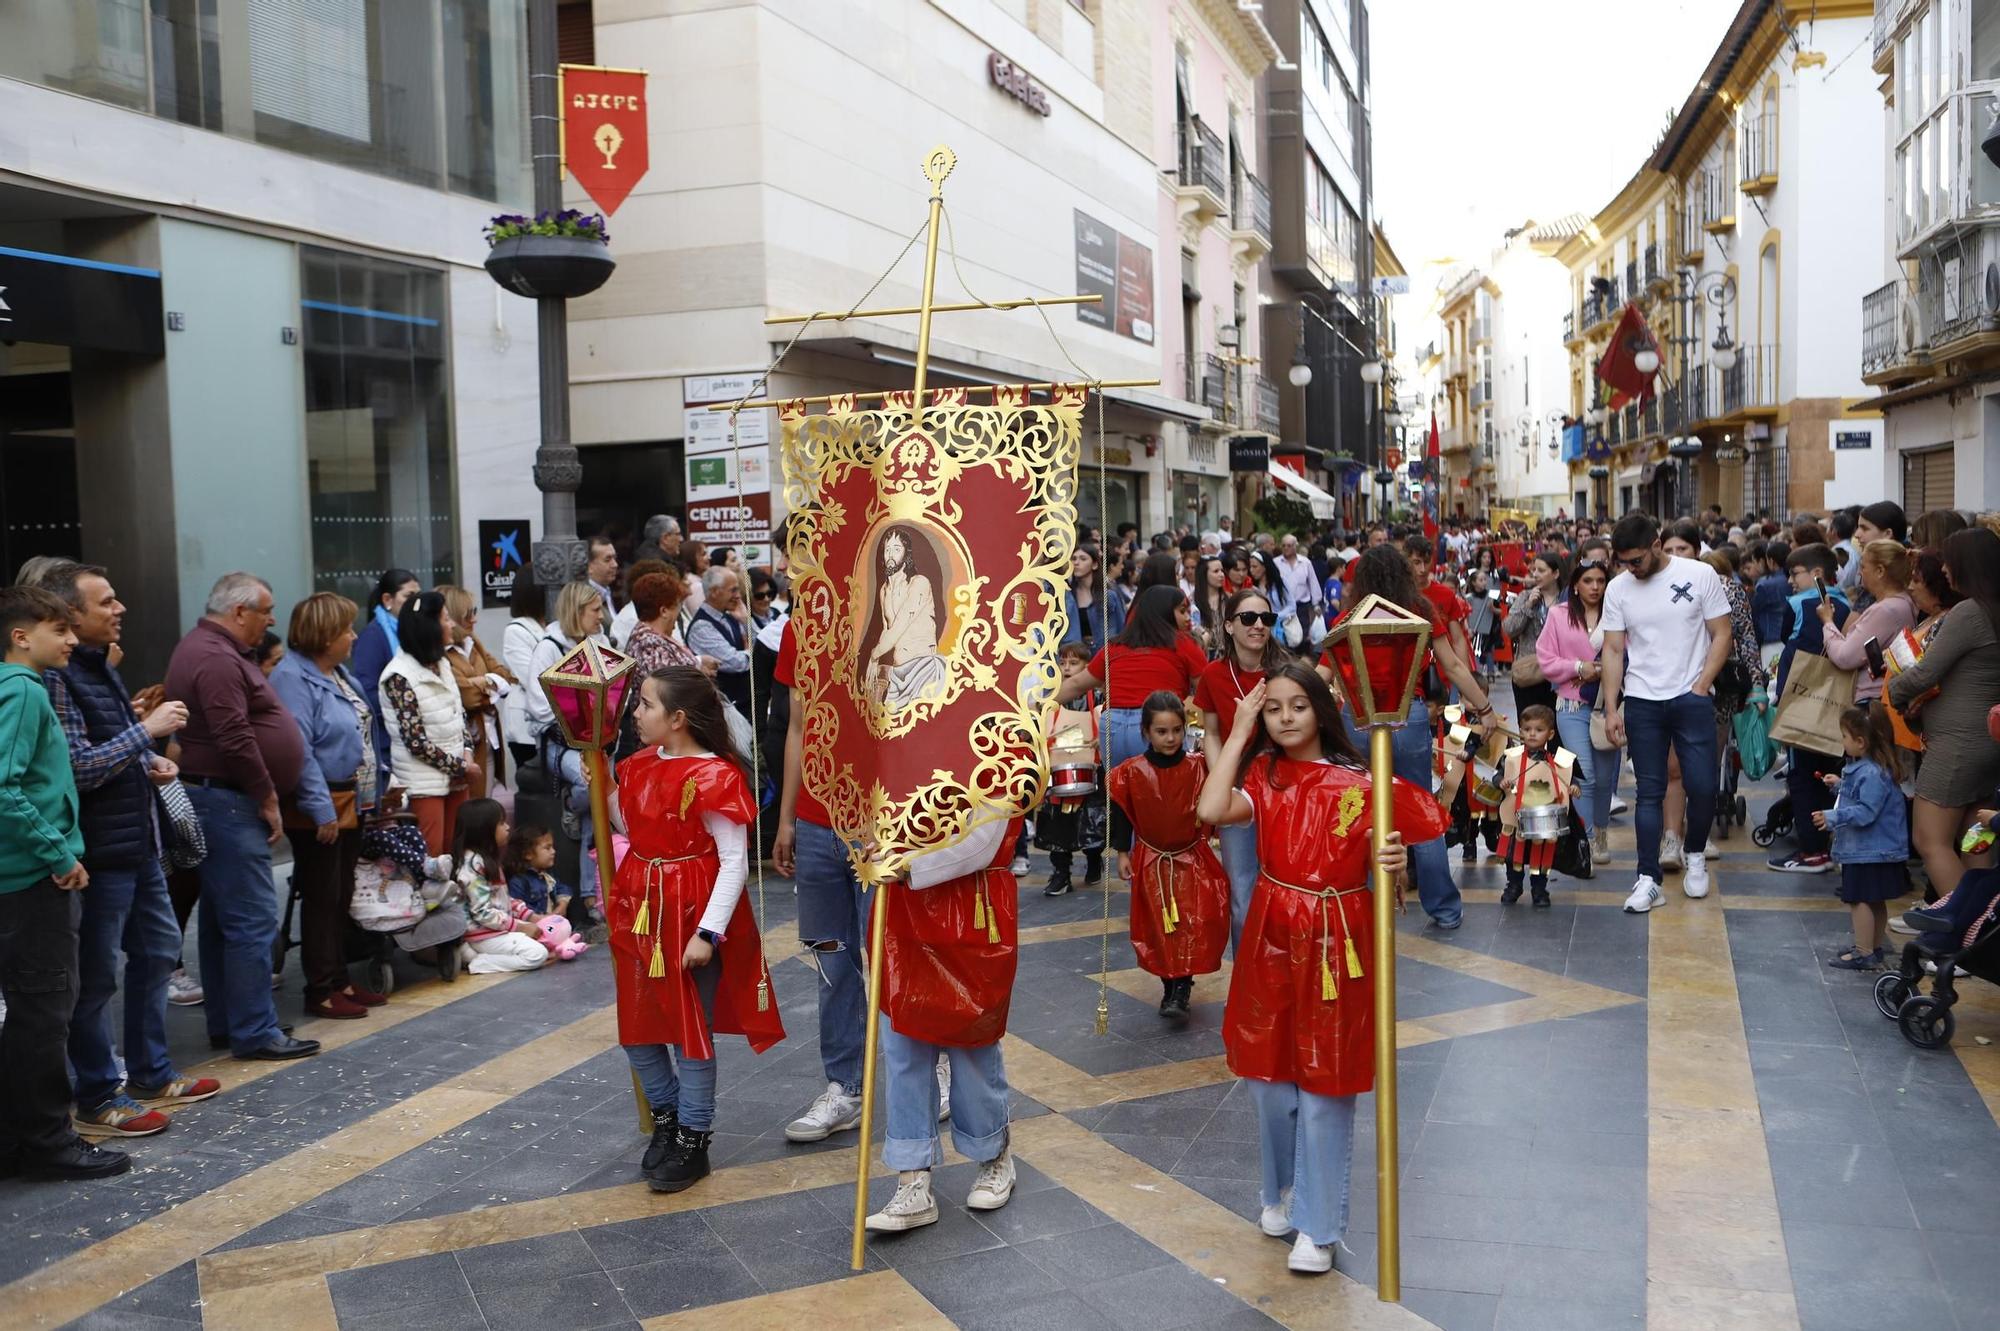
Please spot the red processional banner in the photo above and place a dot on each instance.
(604, 139)
(928, 563)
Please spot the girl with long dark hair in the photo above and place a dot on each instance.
(428, 747)
(1156, 651)
(687, 958)
(1384, 571)
(502, 933)
(375, 646)
(1249, 650)
(1086, 599)
(1210, 592)
(1300, 1023)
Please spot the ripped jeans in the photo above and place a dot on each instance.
(833, 908)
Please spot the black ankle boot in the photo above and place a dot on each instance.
(1510, 894)
(1060, 885)
(663, 1140)
(684, 1164)
(1093, 871)
(1541, 895)
(1174, 1003)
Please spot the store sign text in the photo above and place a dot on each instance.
(1011, 79)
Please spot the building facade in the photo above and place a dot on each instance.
(1108, 147)
(1758, 384)
(246, 321)
(1929, 341)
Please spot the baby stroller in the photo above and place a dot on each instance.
(1925, 1019)
(1777, 823)
(404, 893)
(1734, 691)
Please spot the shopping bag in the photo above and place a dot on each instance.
(1816, 693)
(1753, 737)
(1573, 852)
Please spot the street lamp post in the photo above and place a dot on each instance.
(560, 555)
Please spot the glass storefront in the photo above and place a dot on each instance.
(428, 91)
(378, 436)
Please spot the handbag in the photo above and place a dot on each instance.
(345, 813)
(1816, 693)
(186, 844)
(1573, 853)
(1599, 737)
(1526, 671)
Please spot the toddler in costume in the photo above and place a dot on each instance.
(1180, 894)
(1300, 1025)
(686, 955)
(1064, 827)
(1533, 774)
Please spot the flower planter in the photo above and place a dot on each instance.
(555, 266)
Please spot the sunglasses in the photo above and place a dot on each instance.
(1251, 618)
(1592, 563)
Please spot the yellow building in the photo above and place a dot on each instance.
(1466, 433)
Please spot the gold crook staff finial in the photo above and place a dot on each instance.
(938, 165)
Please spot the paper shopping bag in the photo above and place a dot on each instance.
(1816, 693)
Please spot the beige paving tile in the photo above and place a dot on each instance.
(872, 1302)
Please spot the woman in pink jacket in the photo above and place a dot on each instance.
(1885, 572)
(1568, 650)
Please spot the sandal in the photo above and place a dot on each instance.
(1854, 959)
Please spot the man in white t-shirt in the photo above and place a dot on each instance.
(1666, 637)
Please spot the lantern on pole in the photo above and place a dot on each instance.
(586, 691)
(1377, 652)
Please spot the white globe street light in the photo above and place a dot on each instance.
(1647, 362)
(1724, 355)
(1371, 371)
(1300, 374)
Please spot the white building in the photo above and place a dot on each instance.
(246, 321)
(1530, 373)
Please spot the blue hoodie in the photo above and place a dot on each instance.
(1808, 634)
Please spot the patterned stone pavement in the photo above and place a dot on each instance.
(1682, 1121)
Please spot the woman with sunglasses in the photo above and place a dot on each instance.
(1568, 653)
(1156, 651)
(1249, 648)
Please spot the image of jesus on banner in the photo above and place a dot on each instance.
(902, 663)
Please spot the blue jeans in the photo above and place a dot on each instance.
(1688, 723)
(978, 1101)
(833, 921)
(1239, 861)
(1430, 866)
(565, 768)
(1124, 736)
(1593, 796)
(1306, 1142)
(125, 911)
(690, 1091)
(239, 919)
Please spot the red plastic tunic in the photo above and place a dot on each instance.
(951, 949)
(1180, 894)
(1300, 1008)
(671, 870)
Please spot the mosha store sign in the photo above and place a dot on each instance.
(1011, 79)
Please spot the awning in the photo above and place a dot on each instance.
(1323, 504)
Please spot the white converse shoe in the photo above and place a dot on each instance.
(1672, 853)
(1645, 896)
(834, 1111)
(1618, 804)
(993, 1185)
(1310, 1258)
(912, 1207)
(944, 1087)
(1695, 884)
(1276, 1221)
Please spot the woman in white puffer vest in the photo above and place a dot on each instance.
(428, 753)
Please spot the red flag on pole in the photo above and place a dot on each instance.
(604, 131)
(1617, 370)
(1431, 456)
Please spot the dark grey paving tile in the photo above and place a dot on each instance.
(1457, 1265)
(1221, 1159)
(676, 1284)
(174, 1297)
(1041, 1313)
(505, 1266)
(980, 1281)
(454, 1314)
(1452, 1310)
(1162, 1153)
(682, 1235)
(1163, 1299)
(297, 1225)
(1140, 1118)
(1855, 1302)
(1243, 1196)
(1521, 1312)
(1891, 1253)
(397, 1284)
(1089, 1256)
(372, 1200)
(569, 1303)
(1616, 1277)
(1039, 1215)
(789, 1241)
(106, 1320)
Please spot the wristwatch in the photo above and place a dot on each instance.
(709, 936)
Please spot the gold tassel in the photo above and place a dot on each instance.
(1103, 1014)
(992, 917)
(658, 969)
(1166, 917)
(978, 908)
(764, 991)
(1353, 960)
(642, 923)
(1174, 904)
(1329, 988)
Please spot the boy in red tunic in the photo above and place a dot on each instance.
(1300, 1025)
(1533, 774)
(949, 948)
(685, 951)
(1180, 894)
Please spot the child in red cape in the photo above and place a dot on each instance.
(1180, 894)
(1300, 1025)
(684, 944)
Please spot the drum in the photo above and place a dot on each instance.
(1071, 782)
(1548, 822)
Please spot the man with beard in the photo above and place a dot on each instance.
(908, 642)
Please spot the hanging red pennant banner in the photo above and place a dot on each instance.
(604, 137)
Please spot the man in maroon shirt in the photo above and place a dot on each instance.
(240, 752)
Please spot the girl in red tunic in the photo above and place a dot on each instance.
(1300, 1025)
(1180, 895)
(684, 943)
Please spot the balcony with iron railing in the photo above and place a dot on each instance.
(1719, 199)
(1631, 415)
(1250, 215)
(1204, 171)
(1215, 388)
(1955, 301)
(1693, 239)
(1757, 152)
(1613, 427)
(1569, 326)
(1656, 272)
(1632, 279)
(1649, 417)
(1892, 342)
(1751, 384)
(1265, 396)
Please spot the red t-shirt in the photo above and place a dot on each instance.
(1223, 685)
(1451, 607)
(1141, 672)
(809, 808)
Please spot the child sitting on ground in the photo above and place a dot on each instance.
(1871, 832)
(503, 936)
(531, 880)
(1533, 774)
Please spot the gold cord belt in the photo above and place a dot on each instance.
(1329, 975)
(656, 882)
(1170, 906)
(982, 907)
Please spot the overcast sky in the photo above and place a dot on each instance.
(1490, 112)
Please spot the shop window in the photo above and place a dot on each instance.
(378, 440)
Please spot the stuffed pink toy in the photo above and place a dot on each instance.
(560, 940)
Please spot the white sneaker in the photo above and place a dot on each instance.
(1600, 843)
(1645, 896)
(1618, 804)
(993, 1185)
(1020, 866)
(1695, 884)
(1276, 1221)
(1310, 1258)
(834, 1111)
(1673, 855)
(912, 1207)
(1896, 926)
(183, 990)
(944, 1088)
